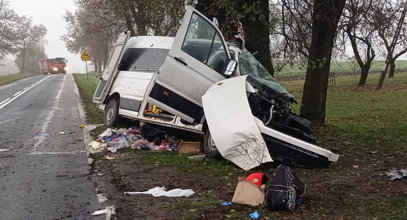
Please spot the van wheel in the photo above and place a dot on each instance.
(210, 149)
(111, 116)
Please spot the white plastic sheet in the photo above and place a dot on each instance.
(160, 191)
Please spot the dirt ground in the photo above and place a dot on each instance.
(333, 193)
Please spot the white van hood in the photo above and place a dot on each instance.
(232, 125)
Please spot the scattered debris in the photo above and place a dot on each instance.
(257, 178)
(109, 211)
(248, 193)
(96, 147)
(225, 203)
(46, 135)
(4, 149)
(114, 156)
(189, 147)
(394, 174)
(81, 126)
(69, 134)
(61, 133)
(160, 191)
(144, 138)
(255, 215)
(283, 189)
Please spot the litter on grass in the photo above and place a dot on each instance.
(160, 191)
(394, 174)
(255, 215)
(145, 137)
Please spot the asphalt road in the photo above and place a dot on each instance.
(43, 173)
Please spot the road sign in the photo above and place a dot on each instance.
(85, 56)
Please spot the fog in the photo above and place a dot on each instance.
(49, 13)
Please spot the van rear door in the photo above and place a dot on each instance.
(195, 61)
(110, 71)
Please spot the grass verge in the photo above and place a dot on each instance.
(6, 79)
(87, 86)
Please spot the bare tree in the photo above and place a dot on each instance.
(28, 36)
(389, 19)
(10, 25)
(356, 25)
(295, 27)
(325, 17)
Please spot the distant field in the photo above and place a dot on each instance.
(6, 79)
(340, 67)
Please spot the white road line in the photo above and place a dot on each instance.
(4, 101)
(3, 104)
(56, 153)
(49, 116)
(17, 93)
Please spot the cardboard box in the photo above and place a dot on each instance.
(189, 147)
(248, 193)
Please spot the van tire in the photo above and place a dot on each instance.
(111, 116)
(210, 149)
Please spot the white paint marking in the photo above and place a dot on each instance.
(56, 153)
(49, 116)
(17, 93)
(4, 101)
(2, 105)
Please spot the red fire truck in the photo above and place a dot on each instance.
(53, 65)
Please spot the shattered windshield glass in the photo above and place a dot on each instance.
(249, 65)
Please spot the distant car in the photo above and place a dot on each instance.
(164, 81)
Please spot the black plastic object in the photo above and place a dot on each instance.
(283, 188)
(152, 134)
(292, 155)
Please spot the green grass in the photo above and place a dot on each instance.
(216, 168)
(6, 79)
(376, 117)
(87, 86)
(380, 208)
(345, 66)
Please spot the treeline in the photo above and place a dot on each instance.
(20, 37)
(283, 32)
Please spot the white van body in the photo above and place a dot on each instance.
(162, 80)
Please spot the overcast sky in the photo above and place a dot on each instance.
(49, 13)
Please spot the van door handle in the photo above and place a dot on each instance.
(181, 60)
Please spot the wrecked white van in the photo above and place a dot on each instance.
(186, 82)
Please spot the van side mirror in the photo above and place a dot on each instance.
(230, 68)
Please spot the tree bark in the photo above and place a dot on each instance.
(383, 76)
(257, 35)
(363, 76)
(392, 68)
(326, 14)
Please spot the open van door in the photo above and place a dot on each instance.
(110, 70)
(197, 59)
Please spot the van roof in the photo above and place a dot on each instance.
(150, 42)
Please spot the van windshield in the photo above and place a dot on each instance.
(249, 65)
(142, 59)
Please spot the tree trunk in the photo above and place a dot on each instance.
(23, 61)
(382, 76)
(363, 75)
(392, 68)
(257, 35)
(324, 23)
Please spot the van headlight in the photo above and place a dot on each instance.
(66, 68)
(55, 68)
